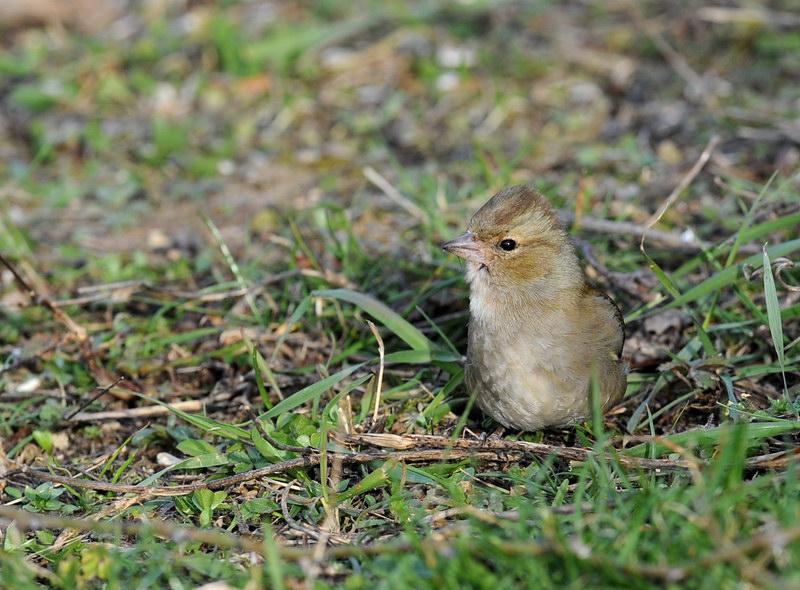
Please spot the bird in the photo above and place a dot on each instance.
(539, 335)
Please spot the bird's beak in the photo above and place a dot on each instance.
(467, 247)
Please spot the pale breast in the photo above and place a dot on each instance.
(526, 374)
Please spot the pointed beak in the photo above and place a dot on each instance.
(467, 247)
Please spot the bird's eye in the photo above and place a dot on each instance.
(508, 245)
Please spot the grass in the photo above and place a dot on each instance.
(222, 203)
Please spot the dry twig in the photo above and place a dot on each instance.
(505, 448)
(682, 185)
(410, 448)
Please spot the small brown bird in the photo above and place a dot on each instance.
(538, 332)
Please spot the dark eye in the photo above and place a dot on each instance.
(508, 245)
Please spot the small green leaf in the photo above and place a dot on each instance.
(209, 499)
(258, 506)
(375, 479)
(265, 448)
(204, 461)
(203, 498)
(44, 438)
(194, 448)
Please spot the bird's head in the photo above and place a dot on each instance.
(515, 242)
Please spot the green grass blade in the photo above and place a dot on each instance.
(385, 315)
(299, 312)
(234, 266)
(323, 443)
(636, 416)
(708, 346)
(737, 242)
(204, 423)
(711, 436)
(728, 276)
(774, 316)
(662, 276)
(310, 393)
(259, 367)
(414, 357)
(748, 219)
